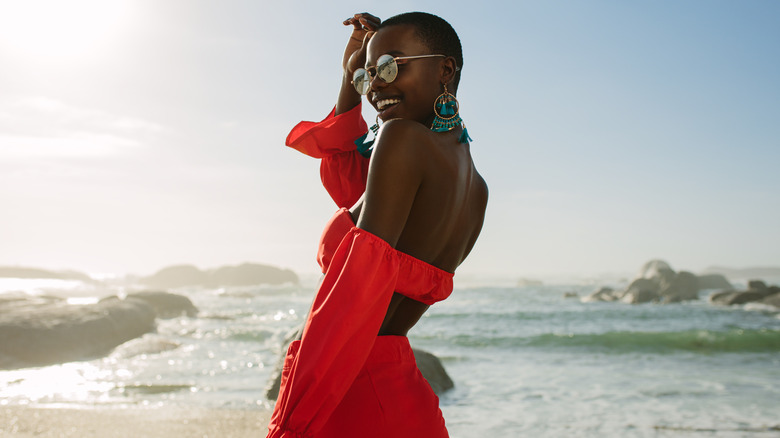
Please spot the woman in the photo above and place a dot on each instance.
(409, 216)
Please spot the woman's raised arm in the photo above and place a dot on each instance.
(364, 25)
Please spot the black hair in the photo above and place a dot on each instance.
(435, 33)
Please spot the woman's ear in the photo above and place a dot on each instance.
(448, 69)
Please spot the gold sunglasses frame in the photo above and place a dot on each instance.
(395, 59)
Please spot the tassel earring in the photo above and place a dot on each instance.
(365, 147)
(447, 110)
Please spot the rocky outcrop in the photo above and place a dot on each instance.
(166, 305)
(37, 332)
(682, 287)
(757, 291)
(641, 290)
(658, 282)
(247, 274)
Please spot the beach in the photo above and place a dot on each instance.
(528, 360)
(148, 422)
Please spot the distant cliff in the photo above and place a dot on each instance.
(246, 274)
(754, 272)
(22, 272)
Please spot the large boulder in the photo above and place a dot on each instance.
(657, 270)
(166, 305)
(683, 287)
(642, 290)
(51, 332)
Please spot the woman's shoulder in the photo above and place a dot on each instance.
(402, 137)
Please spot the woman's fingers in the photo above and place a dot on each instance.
(363, 21)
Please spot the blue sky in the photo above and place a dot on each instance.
(135, 135)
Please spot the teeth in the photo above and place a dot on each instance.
(385, 102)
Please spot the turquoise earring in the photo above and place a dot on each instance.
(447, 118)
(363, 146)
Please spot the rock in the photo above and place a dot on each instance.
(571, 295)
(56, 332)
(657, 270)
(736, 297)
(771, 300)
(602, 294)
(166, 305)
(713, 281)
(683, 287)
(757, 286)
(430, 366)
(272, 389)
(642, 290)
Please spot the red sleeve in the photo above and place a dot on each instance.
(348, 310)
(343, 169)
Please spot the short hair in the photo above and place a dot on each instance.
(435, 33)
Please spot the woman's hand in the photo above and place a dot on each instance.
(364, 26)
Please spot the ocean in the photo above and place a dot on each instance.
(526, 361)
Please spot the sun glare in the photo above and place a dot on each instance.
(53, 29)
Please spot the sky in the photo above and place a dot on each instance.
(140, 134)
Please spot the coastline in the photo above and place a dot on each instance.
(148, 422)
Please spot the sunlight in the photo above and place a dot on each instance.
(55, 29)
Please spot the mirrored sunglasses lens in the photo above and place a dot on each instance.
(386, 68)
(362, 81)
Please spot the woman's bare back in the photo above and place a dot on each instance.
(446, 213)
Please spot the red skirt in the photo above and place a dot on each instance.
(389, 398)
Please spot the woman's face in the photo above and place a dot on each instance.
(412, 93)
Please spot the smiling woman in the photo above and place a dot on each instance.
(53, 29)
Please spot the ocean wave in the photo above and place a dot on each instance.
(697, 341)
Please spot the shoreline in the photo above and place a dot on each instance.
(148, 422)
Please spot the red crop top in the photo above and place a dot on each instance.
(361, 273)
(417, 279)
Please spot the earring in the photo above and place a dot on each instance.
(447, 109)
(365, 147)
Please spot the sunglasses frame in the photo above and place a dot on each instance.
(395, 60)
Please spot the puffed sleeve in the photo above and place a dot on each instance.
(343, 169)
(346, 315)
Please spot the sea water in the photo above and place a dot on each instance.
(525, 362)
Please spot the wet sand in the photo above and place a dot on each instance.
(151, 422)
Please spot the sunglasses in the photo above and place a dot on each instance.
(386, 69)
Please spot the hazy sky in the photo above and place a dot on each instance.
(139, 134)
